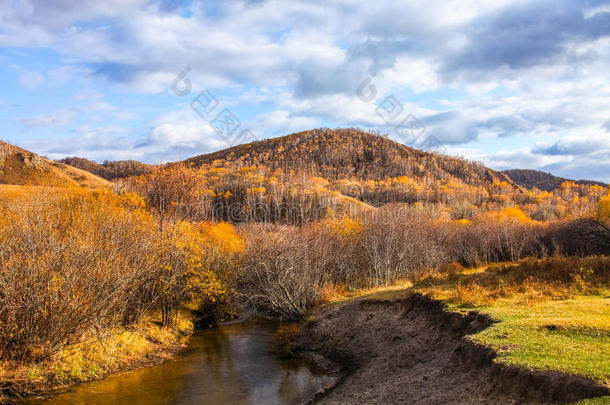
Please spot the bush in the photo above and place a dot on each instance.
(68, 264)
(508, 236)
(401, 245)
(76, 261)
(283, 270)
(581, 237)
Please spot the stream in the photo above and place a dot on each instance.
(228, 365)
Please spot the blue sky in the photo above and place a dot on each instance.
(513, 84)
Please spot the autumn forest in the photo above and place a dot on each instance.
(279, 227)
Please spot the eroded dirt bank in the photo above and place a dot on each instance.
(414, 351)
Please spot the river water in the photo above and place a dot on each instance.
(230, 365)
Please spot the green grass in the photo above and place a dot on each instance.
(595, 401)
(544, 323)
(567, 335)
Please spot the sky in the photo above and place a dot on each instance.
(511, 84)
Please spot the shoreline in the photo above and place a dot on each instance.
(406, 349)
(146, 345)
(414, 350)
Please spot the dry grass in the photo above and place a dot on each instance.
(332, 292)
(528, 281)
(530, 291)
(95, 356)
(338, 293)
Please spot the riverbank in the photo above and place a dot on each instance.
(98, 355)
(541, 342)
(412, 350)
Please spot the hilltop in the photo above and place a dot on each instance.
(346, 154)
(543, 181)
(21, 167)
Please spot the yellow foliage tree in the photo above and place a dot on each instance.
(222, 238)
(513, 213)
(345, 227)
(189, 258)
(604, 208)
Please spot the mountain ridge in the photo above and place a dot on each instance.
(333, 154)
(543, 180)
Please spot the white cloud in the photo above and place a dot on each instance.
(184, 136)
(496, 69)
(65, 74)
(31, 80)
(58, 119)
(418, 74)
(281, 122)
(520, 158)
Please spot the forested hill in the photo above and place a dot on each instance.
(543, 181)
(348, 153)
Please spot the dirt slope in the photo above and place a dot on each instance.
(413, 351)
(21, 167)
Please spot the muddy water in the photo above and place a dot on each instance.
(229, 365)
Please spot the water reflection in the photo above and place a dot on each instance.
(230, 365)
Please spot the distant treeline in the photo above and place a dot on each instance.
(110, 170)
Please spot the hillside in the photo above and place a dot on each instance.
(543, 181)
(21, 167)
(345, 154)
(110, 170)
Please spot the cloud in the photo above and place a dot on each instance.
(86, 138)
(165, 142)
(281, 122)
(184, 136)
(524, 34)
(65, 73)
(179, 135)
(451, 128)
(31, 80)
(474, 72)
(596, 170)
(99, 110)
(305, 48)
(577, 157)
(7, 104)
(58, 119)
(519, 158)
(574, 146)
(95, 110)
(97, 143)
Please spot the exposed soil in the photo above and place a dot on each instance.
(414, 351)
